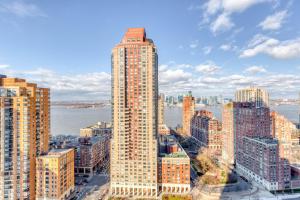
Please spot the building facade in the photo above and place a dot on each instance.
(243, 119)
(260, 162)
(207, 131)
(282, 128)
(174, 167)
(24, 134)
(134, 144)
(161, 109)
(228, 133)
(92, 153)
(253, 94)
(163, 129)
(55, 178)
(188, 110)
(101, 128)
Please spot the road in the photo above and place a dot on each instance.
(95, 187)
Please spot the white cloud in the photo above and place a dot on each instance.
(171, 76)
(86, 86)
(22, 9)
(277, 49)
(275, 21)
(239, 6)
(209, 68)
(212, 6)
(4, 66)
(224, 9)
(194, 44)
(172, 79)
(222, 23)
(207, 50)
(225, 47)
(255, 69)
(162, 67)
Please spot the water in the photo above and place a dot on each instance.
(69, 121)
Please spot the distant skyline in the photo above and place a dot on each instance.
(210, 47)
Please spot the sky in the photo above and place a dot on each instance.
(211, 47)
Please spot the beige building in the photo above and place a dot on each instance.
(134, 117)
(228, 133)
(24, 134)
(188, 110)
(253, 94)
(99, 129)
(55, 175)
(161, 109)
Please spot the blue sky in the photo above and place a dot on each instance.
(210, 47)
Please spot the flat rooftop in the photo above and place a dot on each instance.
(55, 153)
(166, 141)
(264, 140)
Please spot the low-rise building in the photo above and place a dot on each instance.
(91, 154)
(174, 166)
(55, 175)
(101, 128)
(207, 131)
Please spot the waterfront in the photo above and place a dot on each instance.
(69, 121)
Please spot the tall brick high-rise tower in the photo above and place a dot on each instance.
(24, 135)
(134, 117)
(188, 111)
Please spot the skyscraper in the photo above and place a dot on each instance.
(24, 134)
(253, 94)
(161, 109)
(134, 146)
(188, 110)
(243, 120)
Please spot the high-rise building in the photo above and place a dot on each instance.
(161, 109)
(282, 128)
(134, 146)
(188, 110)
(243, 120)
(24, 134)
(55, 178)
(207, 131)
(253, 94)
(260, 161)
(228, 132)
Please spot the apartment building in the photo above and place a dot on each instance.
(24, 135)
(100, 128)
(134, 117)
(55, 175)
(207, 130)
(174, 167)
(188, 110)
(92, 153)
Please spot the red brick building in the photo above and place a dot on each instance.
(174, 166)
(207, 131)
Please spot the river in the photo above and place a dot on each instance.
(69, 121)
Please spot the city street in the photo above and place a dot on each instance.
(96, 188)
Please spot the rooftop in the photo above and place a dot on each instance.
(264, 140)
(55, 153)
(169, 141)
